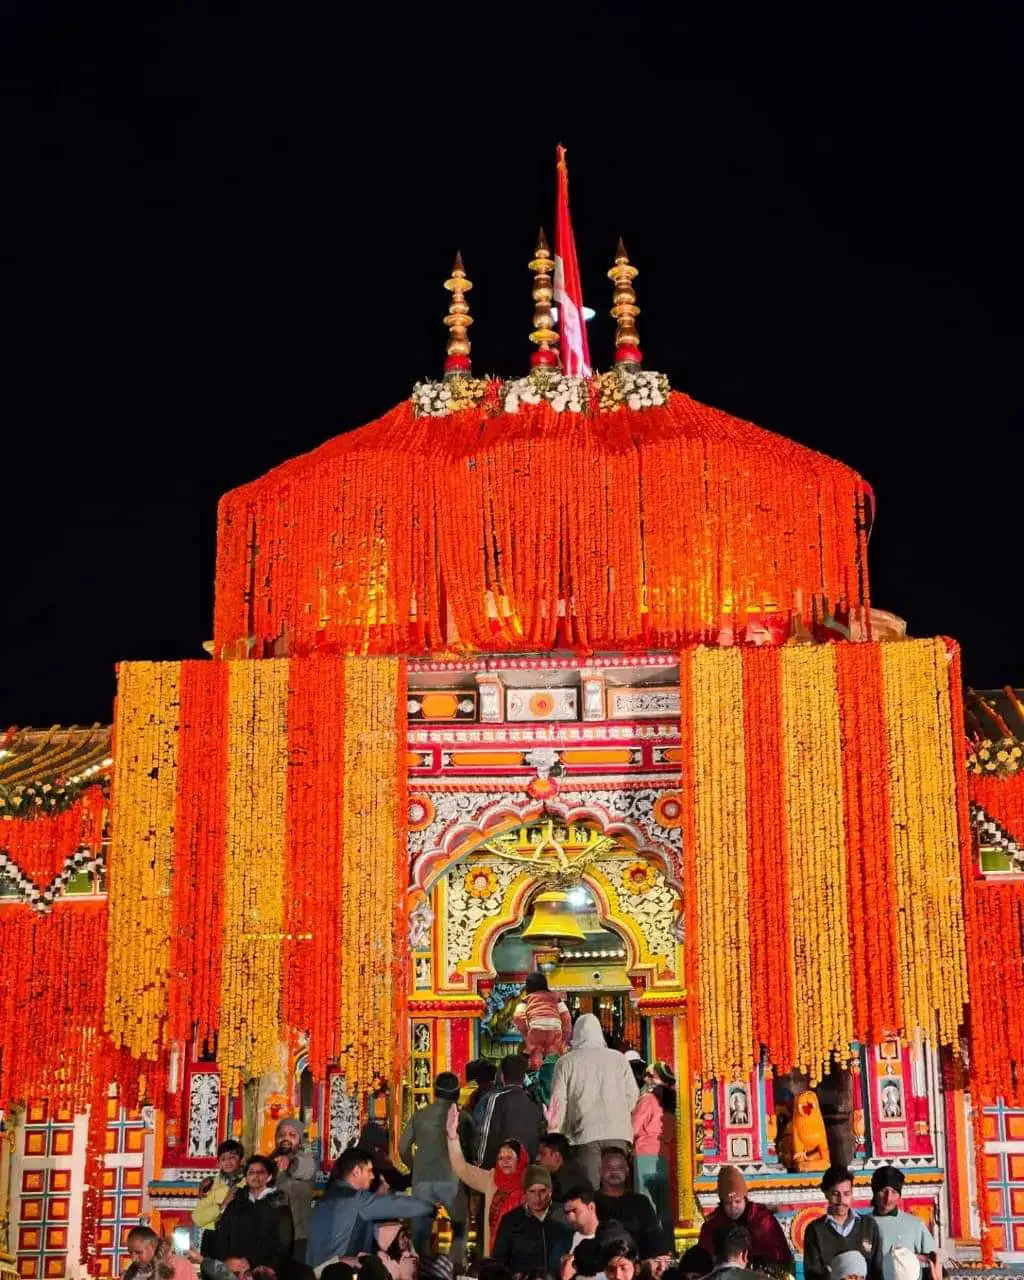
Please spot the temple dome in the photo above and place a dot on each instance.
(534, 530)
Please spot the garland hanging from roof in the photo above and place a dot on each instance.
(822, 809)
(222, 781)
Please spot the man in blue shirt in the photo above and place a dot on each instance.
(898, 1229)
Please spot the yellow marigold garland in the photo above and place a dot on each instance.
(721, 823)
(372, 859)
(250, 1022)
(926, 843)
(140, 860)
(817, 856)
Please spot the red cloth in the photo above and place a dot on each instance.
(508, 1193)
(768, 1241)
(572, 327)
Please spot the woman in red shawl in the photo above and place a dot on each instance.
(502, 1186)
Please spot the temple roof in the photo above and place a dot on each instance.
(55, 762)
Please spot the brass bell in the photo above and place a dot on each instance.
(553, 917)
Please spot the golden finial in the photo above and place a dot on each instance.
(544, 335)
(458, 320)
(624, 309)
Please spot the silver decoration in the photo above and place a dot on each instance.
(343, 1118)
(203, 1114)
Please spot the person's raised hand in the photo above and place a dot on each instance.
(452, 1121)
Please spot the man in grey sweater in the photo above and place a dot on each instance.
(423, 1146)
(593, 1093)
(296, 1178)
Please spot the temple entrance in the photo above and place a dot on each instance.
(584, 961)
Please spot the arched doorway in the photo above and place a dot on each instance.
(468, 913)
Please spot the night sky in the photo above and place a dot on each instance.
(225, 230)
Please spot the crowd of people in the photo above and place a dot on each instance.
(568, 1165)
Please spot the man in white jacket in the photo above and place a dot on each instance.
(593, 1094)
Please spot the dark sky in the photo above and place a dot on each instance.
(224, 232)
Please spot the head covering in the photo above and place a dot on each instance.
(731, 1182)
(631, 1055)
(900, 1264)
(587, 1033)
(537, 1175)
(851, 1262)
(664, 1072)
(447, 1086)
(508, 1189)
(833, 1175)
(290, 1122)
(887, 1176)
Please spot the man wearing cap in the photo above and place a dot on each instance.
(530, 1241)
(423, 1146)
(841, 1230)
(897, 1228)
(768, 1243)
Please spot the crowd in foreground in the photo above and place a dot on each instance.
(572, 1187)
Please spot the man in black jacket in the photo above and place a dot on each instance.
(530, 1241)
(510, 1112)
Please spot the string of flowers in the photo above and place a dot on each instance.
(921, 736)
(877, 995)
(141, 856)
(720, 800)
(660, 528)
(197, 915)
(314, 887)
(40, 848)
(773, 979)
(373, 980)
(816, 848)
(250, 1036)
(821, 809)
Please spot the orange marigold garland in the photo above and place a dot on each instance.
(314, 889)
(656, 527)
(197, 914)
(40, 847)
(877, 996)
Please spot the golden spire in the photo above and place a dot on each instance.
(544, 335)
(458, 320)
(624, 309)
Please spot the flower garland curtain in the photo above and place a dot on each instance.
(605, 530)
(1002, 800)
(41, 846)
(268, 800)
(824, 839)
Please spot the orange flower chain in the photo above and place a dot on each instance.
(656, 529)
(821, 784)
(269, 798)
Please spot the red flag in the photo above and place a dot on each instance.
(572, 329)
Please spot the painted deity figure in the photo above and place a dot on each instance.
(804, 1146)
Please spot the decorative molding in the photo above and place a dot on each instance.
(42, 900)
(542, 704)
(993, 835)
(203, 1114)
(643, 704)
(342, 1118)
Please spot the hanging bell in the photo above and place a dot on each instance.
(553, 917)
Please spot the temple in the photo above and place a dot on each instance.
(562, 673)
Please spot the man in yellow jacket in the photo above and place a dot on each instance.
(216, 1192)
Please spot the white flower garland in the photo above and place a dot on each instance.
(609, 392)
(562, 392)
